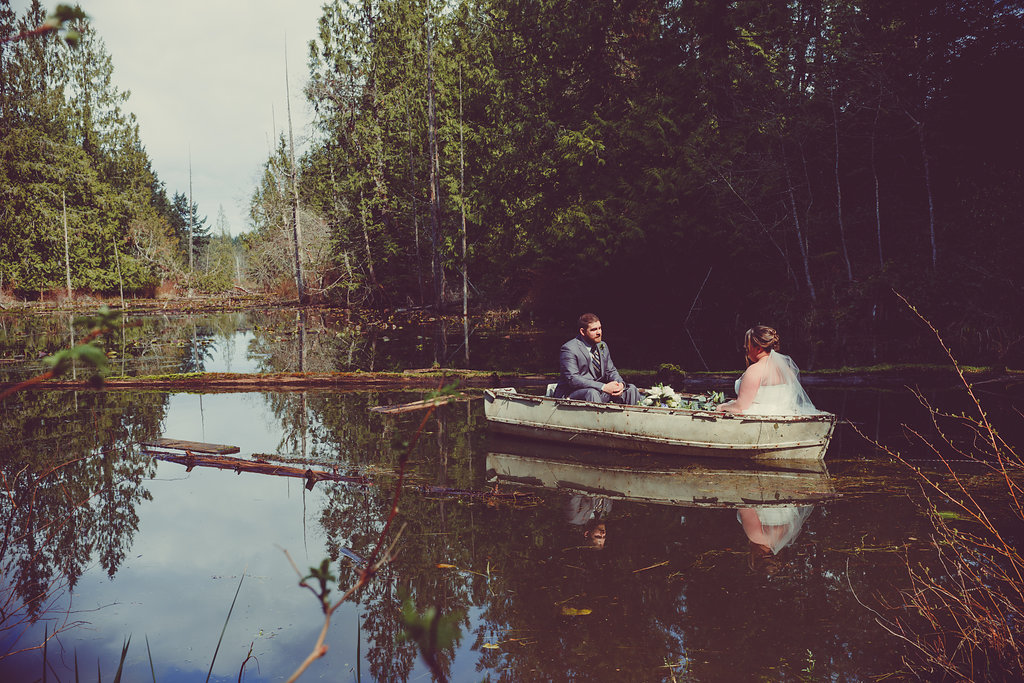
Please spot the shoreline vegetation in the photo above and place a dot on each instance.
(878, 374)
(506, 319)
(428, 378)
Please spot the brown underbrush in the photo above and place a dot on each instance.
(963, 612)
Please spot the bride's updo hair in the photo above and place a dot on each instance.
(762, 336)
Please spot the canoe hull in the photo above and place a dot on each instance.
(658, 430)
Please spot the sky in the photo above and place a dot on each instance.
(207, 84)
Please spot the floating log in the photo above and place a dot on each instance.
(192, 446)
(239, 465)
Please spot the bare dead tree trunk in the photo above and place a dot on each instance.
(839, 193)
(436, 269)
(874, 173)
(300, 328)
(366, 240)
(67, 246)
(799, 232)
(296, 228)
(120, 278)
(415, 217)
(351, 279)
(191, 214)
(462, 203)
(928, 190)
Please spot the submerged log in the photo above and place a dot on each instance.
(192, 459)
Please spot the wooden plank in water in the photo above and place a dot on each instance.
(191, 446)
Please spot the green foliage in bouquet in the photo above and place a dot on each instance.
(663, 396)
(702, 402)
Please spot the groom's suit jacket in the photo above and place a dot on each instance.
(576, 370)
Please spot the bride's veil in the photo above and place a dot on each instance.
(783, 376)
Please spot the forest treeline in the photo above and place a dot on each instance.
(81, 207)
(665, 163)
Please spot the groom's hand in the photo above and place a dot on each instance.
(613, 388)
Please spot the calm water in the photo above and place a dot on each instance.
(103, 542)
(120, 544)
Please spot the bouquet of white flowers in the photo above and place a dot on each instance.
(663, 396)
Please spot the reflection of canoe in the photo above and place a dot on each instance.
(660, 430)
(676, 481)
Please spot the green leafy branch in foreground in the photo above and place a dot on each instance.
(432, 633)
(55, 22)
(104, 321)
(324, 576)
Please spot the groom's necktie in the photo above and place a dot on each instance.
(595, 360)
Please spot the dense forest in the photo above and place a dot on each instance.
(81, 207)
(687, 163)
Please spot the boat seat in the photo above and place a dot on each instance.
(550, 391)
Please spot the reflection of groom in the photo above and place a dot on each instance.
(586, 371)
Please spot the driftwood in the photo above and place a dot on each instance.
(239, 465)
(193, 446)
(191, 459)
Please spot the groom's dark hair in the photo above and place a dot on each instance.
(587, 319)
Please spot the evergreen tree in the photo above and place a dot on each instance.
(69, 150)
(185, 221)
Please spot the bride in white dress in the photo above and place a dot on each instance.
(771, 383)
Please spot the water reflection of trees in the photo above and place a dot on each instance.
(522, 571)
(148, 345)
(72, 485)
(354, 516)
(278, 340)
(309, 341)
(531, 581)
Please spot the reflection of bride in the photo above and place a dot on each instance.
(773, 527)
(771, 383)
(770, 529)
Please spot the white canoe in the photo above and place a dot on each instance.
(659, 430)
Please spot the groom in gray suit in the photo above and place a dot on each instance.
(586, 371)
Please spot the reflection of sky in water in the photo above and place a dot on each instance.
(231, 354)
(243, 420)
(196, 537)
(202, 530)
